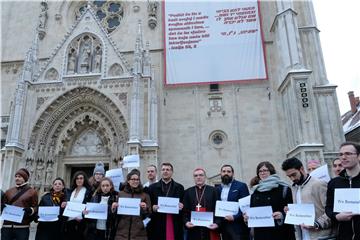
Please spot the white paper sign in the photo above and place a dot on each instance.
(260, 217)
(202, 219)
(244, 203)
(97, 211)
(347, 200)
(116, 176)
(168, 205)
(48, 214)
(129, 206)
(300, 214)
(226, 208)
(74, 209)
(131, 161)
(12, 213)
(321, 173)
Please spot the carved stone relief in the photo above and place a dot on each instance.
(116, 70)
(43, 19)
(152, 10)
(88, 143)
(52, 75)
(122, 97)
(84, 55)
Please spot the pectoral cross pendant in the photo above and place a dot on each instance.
(198, 206)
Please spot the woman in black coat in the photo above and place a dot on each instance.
(56, 197)
(103, 229)
(272, 191)
(75, 228)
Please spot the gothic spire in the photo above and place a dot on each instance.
(138, 51)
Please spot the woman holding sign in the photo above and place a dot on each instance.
(105, 194)
(272, 191)
(131, 226)
(56, 197)
(81, 193)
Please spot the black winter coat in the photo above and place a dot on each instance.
(110, 222)
(277, 198)
(347, 230)
(53, 230)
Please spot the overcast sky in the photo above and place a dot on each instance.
(338, 22)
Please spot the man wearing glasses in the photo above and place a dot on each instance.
(348, 222)
(200, 198)
(233, 226)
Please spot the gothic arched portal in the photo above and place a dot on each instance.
(78, 129)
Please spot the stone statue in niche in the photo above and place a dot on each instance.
(85, 56)
(71, 61)
(30, 167)
(39, 172)
(97, 59)
(49, 173)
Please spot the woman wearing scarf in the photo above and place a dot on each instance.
(132, 227)
(56, 197)
(272, 191)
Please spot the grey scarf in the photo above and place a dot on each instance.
(273, 181)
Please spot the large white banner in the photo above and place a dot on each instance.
(213, 41)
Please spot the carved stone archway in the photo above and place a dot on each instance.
(69, 132)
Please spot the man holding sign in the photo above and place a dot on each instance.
(22, 195)
(165, 226)
(200, 198)
(349, 222)
(232, 226)
(307, 189)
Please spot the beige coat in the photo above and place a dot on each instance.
(314, 191)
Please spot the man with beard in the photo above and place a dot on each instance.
(24, 196)
(165, 226)
(232, 226)
(307, 189)
(200, 198)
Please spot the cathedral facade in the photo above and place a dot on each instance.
(83, 82)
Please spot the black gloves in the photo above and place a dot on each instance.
(28, 211)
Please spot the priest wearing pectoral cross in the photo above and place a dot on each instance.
(200, 198)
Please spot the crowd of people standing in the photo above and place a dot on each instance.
(267, 189)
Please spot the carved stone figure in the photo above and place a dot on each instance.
(30, 167)
(85, 56)
(39, 172)
(49, 173)
(71, 61)
(43, 15)
(97, 59)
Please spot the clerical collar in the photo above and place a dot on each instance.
(166, 182)
(200, 187)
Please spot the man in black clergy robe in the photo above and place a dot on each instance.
(201, 198)
(165, 226)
